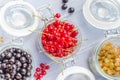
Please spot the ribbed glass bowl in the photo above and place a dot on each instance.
(57, 59)
(24, 49)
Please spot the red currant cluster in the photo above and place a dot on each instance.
(41, 71)
(59, 38)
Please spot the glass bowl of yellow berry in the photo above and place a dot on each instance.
(105, 60)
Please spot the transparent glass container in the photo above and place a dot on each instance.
(24, 49)
(19, 16)
(93, 59)
(56, 59)
(105, 10)
(102, 14)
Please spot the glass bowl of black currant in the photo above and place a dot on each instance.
(16, 63)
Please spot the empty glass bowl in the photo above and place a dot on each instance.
(105, 10)
(102, 14)
(18, 18)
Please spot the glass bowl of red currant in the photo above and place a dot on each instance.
(60, 39)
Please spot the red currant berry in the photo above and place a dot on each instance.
(71, 44)
(50, 37)
(57, 15)
(52, 50)
(43, 72)
(65, 35)
(53, 54)
(43, 36)
(59, 46)
(38, 78)
(62, 39)
(59, 27)
(59, 50)
(72, 27)
(68, 39)
(55, 43)
(60, 55)
(40, 75)
(74, 33)
(43, 69)
(44, 42)
(56, 23)
(46, 48)
(50, 43)
(46, 30)
(42, 65)
(50, 27)
(54, 32)
(65, 54)
(47, 67)
(75, 40)
(67, 28)
(37, 69)
(35, 74)
(66, 45)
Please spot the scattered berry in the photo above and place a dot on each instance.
(37, 78)
(64, 6)
(47, 67)
(64, 1)
(35, 74)
(57, 15)
(37, 69)
(41, 71)
(71, 10)
(40, 75)
(42, 65)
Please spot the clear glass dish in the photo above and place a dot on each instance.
(19, 16)
(93, 59)
(28, 51)
(56, 59)
(105, 10)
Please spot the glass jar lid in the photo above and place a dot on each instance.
(76, 73)
(17, 18)
(102, 14)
